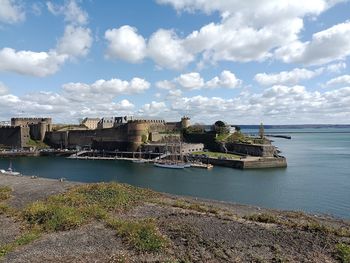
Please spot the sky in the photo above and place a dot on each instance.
(243, 62)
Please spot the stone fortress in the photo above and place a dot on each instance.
(116, 133)
(21, 130)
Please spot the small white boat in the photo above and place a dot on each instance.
(139, 161)
(9, 171)
(170, 165)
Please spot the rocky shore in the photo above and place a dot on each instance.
(45, 220)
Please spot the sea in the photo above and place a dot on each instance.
(317, 179)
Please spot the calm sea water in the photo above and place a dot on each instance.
(317, 179)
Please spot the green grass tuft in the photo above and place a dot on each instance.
(53, 217)
(143, 235)
(22, 240)
(5, 193)
(343, 252)
(262, 218)
(83, 203)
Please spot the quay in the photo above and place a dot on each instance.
(244, 162)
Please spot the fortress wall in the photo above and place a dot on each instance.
(252, 149)
(27, 121)
(16, 137)
(57, 139)
(73, 138)
(208, 139)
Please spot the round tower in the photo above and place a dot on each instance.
(185, 122)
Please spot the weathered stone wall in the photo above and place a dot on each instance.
(91, 138)
(252, 149)
(27, 121)
(208, 139)
(16, 137)
(57, 139)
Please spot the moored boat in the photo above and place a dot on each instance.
(170, 165)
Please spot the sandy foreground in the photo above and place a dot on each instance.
(196, 231)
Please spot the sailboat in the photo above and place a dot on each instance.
(170, 164)
(10, 171)
(139, 160)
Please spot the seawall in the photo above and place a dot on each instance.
(248, 163)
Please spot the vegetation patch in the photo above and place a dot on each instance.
(195, 207)
(22, 240)
(143, 235)
(37, 144)
(219, 155)
(83, 203)
(262, 218)
(343, 252)
(5, 193)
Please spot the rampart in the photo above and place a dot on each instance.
(14, 137)
(28, 121)
(37, 126)
(127, 137)
(264, 150)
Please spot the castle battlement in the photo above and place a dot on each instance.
(147, 121)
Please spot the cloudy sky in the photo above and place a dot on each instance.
(245, 62)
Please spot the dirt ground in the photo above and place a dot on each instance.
(198, 230)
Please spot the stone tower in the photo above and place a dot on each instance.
(185, 122)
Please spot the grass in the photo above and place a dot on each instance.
(82, 204)
(262, 218)
(38, 144)
(143, 235)
(195, 207)
(343, 252)
(22, 240)
(5, 193)
(219, 155)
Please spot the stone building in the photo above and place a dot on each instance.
(90, 123)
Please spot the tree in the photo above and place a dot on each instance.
(221, 128)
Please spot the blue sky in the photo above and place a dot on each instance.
(245, 62)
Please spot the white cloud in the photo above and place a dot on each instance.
(190, 81)
(126, 44)
(194, 81)
(164, 47)
(325, 46)
(249, 30)
(276, 105)
(341, 80)
(167, 50)
(75, 42)
(287, 77)
(73, 14)
(166, 84)
(337, 67)
(3, 89)
(11, 12)
(38, 64)
(153, 109)
(77, 100)
(105, 90)
(226, 79)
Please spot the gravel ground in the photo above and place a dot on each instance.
(195, 235)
